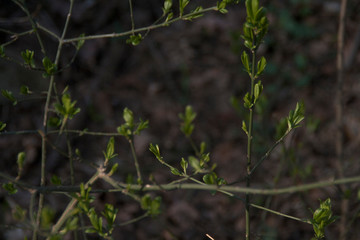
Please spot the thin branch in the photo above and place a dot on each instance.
(80, 132)
(267, 154)
(137, 166)
(41, 27)
(67, 212)
(138, 30)
(131, 16)
(339, 106)
(123, 187)
(280, 214)
(133, 220)
(15, 36)
(24, 8)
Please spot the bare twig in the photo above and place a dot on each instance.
(339, 105)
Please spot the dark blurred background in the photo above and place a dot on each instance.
(189, 63)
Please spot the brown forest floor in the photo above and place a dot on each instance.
(194, 63)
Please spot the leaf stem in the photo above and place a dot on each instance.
(137, 166)
(33, 24)
(194, 186)
(131, 16)
(280, 214)
(151, 27)
(249, 147)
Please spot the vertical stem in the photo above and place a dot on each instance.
(137, 166)
(46, 111)
(339, 105)
(33, 25)
(249, 150)
(71, 159)
(131, 16)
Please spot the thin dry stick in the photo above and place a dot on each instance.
(124, 187)
(339, 105)
(45, 126)
(138, 30)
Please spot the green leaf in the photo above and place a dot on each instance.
(113, 169)
(182, 5)
(221, 7)
(81, 42)
(258, 88)
(110, 214)
(145, 202)
(25, 90)
(296, 116)
(19, 214)
(49, 66)
(254, 6)
(210, 178)
(245, 61)
(167, 6)
(2, 51)
(204, 158)
(2, 126)
(187, 127)
(169, 16)
(281, 128)
(66, 108)
(202, 147)
(130, 128)
(261, 66)
(244, 128)
(20, 162)
(47, 217)
(194, 163)
(156, 151)
(54, 121)
(135, 39)
(84, 198)
(55, 180)
(142, 125)
(28, 57)
(109, 154)
(152, 206)
(248, 103)
(155, 207)
(10, 188)
(95, 220)
(249, 10)
(8, 94)
(184, 164)
(322, 217)
(175, 171)
(128, 117)
(70, 225)
(221, 181)
(195, 13)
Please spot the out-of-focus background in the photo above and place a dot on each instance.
(190, 63)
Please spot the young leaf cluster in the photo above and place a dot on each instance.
(152, 206)
(295, 116)
(110, 152)
(198, 163)
(49, 66)
(98, 227)
(66, 109)
(9, 95)
(2, 126)
(322, 217)
(187, 126)
(28, 57)
(130, 128)
(256, 24)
